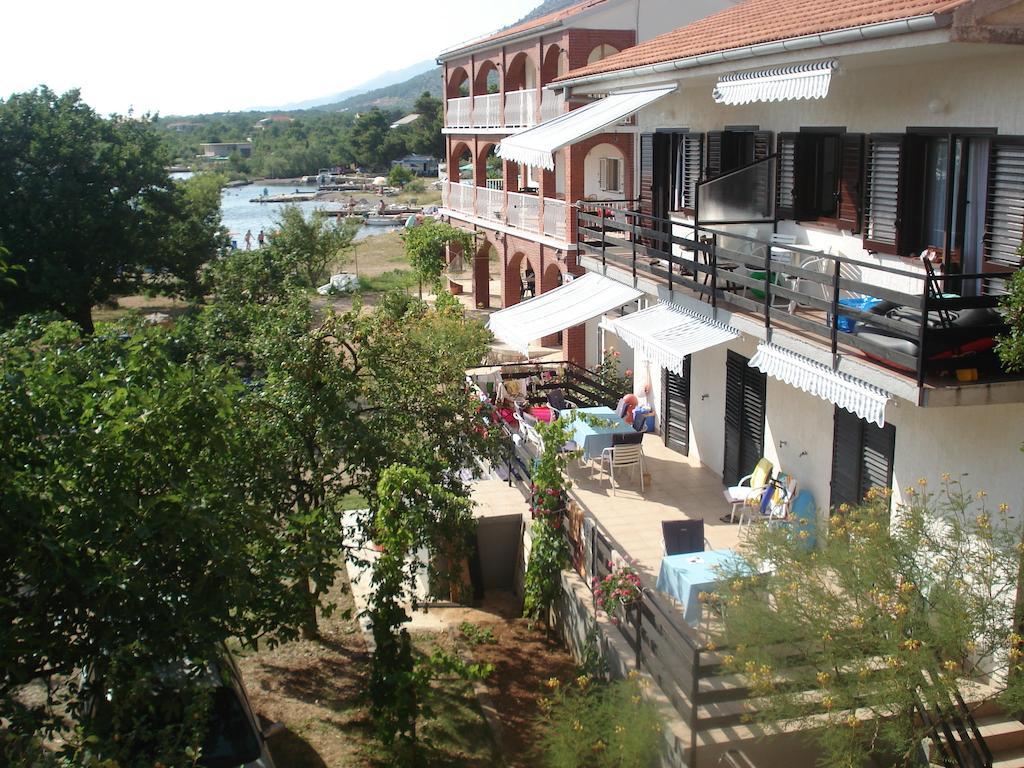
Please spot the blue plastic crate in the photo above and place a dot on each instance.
(846, 324)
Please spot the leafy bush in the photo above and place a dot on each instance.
(592, 724)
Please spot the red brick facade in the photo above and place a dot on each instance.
(549, 264)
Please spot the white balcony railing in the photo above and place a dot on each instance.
(459, 112)
(551, 105)
(490, 204)
(524, 211)
(554, 218)
(521, 108)
(459, 197)
(514, 208)
(495, 183)
(487, 111)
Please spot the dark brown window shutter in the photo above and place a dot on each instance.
(713, 155)
(785, 192)
(646, 173)
(692, 149)
(850, 203)
(883, 173)
(762, 145)
(1004, 207)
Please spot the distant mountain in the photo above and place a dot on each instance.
(400, 89)
(398, 76)
(402, 95)
(398, 96)
(548, 6)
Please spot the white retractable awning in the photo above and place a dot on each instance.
(666, 333)
(571, 304)
(856, 396)
(536, 146)
(799, 81)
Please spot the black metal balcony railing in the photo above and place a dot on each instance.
(918, 332)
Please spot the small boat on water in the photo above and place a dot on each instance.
(380, 220)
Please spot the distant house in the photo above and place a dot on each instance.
(407, 120)
(181, 126)
(226, 149)
(270, 120)
(421, 165)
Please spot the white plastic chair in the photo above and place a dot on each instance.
(623, 456)
(748, 489)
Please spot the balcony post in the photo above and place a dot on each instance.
(767, 288)
(604, 241)
(836, 265)
(714, 271)
(921, 334)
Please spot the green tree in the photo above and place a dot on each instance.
(399, 176)
(367, 138)
(841, 637)
(129, 538)
(311, 245)
(1011, 346)
(425, 248)
(186, 233)
(86, 203)
(426, 137)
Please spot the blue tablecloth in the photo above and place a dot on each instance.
(684, 577)
(593, 439)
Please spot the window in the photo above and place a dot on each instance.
(862, 458)
(734, 148)
(610, 174)
(745, 389)
(957, 190)
(819, 177)
(687, 155)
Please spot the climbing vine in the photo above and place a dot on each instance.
(550, 551)
(412, 513)
(425, 244)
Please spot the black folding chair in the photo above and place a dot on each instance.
(682, 536)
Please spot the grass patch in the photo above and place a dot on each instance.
(354, 500)
(392, 280)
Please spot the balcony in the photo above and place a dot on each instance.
(485, 112)
(511, 209)
(936, 329)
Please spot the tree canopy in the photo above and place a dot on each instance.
(88, 207)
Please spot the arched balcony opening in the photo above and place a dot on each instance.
(458, 84)
(487, 79)
(604, 173)
(602, 51)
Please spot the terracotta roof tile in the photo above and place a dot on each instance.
(763, 21)
(540, 21)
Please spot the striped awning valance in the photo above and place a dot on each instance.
(856, 396)
(798, 81)
(666, 333)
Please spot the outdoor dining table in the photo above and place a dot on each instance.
(594, 439)
(685, 576)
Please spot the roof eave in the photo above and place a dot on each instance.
(494, 42)
(925, 23)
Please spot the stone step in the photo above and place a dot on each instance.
(1011, 759)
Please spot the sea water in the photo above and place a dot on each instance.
(240, 216)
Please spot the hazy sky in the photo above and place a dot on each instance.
(187, 56)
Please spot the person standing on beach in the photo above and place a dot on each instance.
(260, 238)
(248, 239)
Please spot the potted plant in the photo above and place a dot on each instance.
(619, 589)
